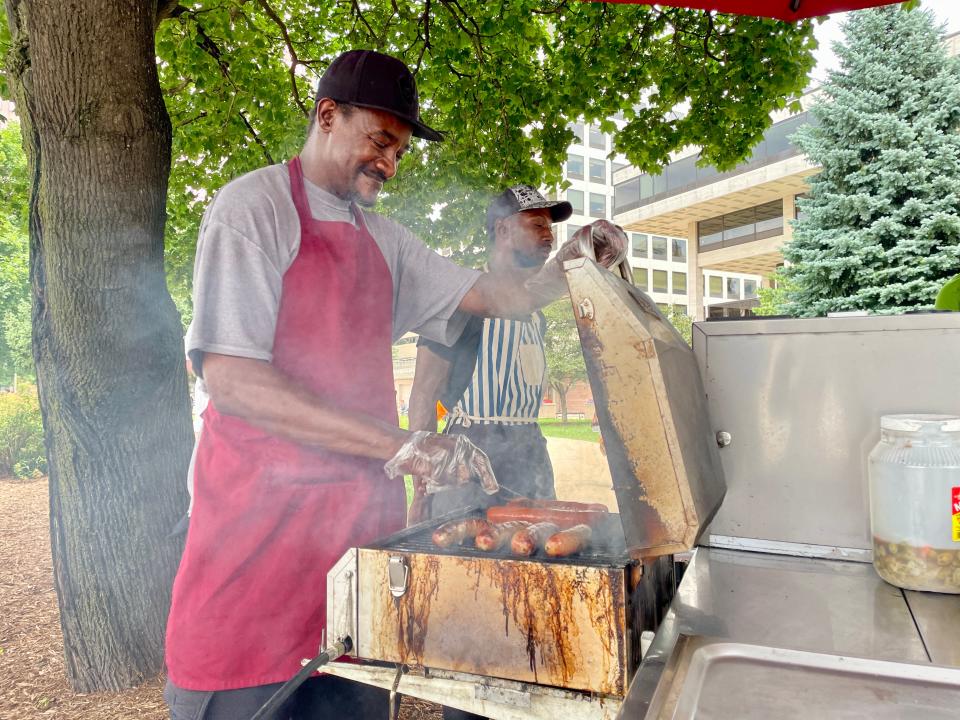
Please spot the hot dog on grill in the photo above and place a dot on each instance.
(563, 518)
(525, 542)
(568, 542)
(456, 531)
(495, 537)
(557, 505)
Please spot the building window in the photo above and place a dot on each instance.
(614, 168)
(749, 288)
(680, 309)
(597, 139)
(575, 198)
(663, 308)
(754, 223)
(660, 281)
(679, 250)
(626, 195)
(598, 205)
(640, 278)
(598, 171)
(769, 220)
(659, 248)
(679, 283)
(640, 245)
(575, 167)
(733, 288)
(716, 286)
(577, 130)
(710, 232)
(572, 230)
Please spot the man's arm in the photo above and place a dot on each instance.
(509, 294)
(517, 294)
(429, 381)
(267, 398)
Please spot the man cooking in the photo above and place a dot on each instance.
(298, 294)
(493, 376)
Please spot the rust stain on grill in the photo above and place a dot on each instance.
(559, 624)
(413, 608)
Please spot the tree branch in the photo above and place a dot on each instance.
(257, 138)
(207, 44)
(167, 9)
(294, 60)
(362, 18)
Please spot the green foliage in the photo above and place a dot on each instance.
(565, 364)
(682, 322)
(775, 299)
(504, 79)
(570, 430)
(21, 434)
(15, 353)
(880, 229)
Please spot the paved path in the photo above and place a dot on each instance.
(580, 472)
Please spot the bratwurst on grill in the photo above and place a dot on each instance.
(456, 531)
(525, 542)
(495, 537)
(568, 542)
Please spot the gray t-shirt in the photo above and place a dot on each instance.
(249, 237)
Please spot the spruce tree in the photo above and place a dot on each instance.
(880, 228)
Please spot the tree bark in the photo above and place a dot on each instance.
(107, 340)
(562, 398)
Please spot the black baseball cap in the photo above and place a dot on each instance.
(518, 198)
(373, 80)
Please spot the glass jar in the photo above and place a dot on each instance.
(915, 502)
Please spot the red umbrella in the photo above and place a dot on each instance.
(782, 9)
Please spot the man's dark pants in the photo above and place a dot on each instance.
(319, 698)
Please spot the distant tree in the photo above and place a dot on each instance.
(682, 322)
(775, 296)
(565, 364)
(880, 229)
(15, 355)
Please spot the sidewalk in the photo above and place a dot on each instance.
(580, 472)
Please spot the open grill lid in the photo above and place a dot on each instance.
(652, 411)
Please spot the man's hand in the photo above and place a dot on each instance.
(442, 461)
(601, 240)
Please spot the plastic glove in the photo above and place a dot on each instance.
(600, 240)
(442, 462)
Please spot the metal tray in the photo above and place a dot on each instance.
(709, 679)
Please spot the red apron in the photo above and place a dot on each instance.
(271, 517)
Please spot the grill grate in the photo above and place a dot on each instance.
(607, 548)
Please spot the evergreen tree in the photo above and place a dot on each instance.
(880, 229)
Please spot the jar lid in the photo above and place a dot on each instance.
(919, 422)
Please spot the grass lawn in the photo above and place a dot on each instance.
(572, 430)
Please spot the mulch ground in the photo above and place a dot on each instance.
(33, 683)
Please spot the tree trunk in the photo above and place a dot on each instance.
(107, 340)
(562, 399)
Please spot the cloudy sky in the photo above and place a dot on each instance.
(947, 11)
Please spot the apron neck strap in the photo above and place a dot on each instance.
(299, 191)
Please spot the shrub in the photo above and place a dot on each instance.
(21, 434)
